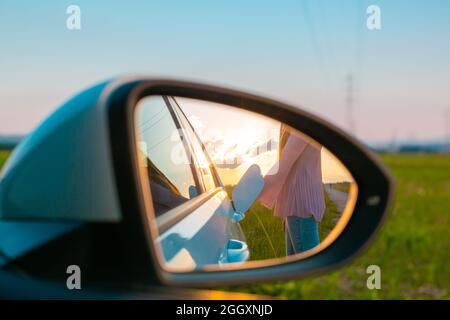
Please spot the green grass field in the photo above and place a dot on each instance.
(412, 249)
(264, 232)
(3, 157)
(344, 187)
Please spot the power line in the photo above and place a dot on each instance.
(393, 143)
(151, 118)
(360, 39)
(314, 39)
(328, 45)
(447, 127)
(349, 103)
(149, 126)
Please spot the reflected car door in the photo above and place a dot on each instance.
(198, 232)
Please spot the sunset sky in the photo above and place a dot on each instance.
(296, 51)
(239, 131)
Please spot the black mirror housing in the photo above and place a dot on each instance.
(375, 184)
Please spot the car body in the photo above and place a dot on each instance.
(206, 217)
(73, 193)
(183, 228)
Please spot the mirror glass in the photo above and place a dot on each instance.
(228, 187)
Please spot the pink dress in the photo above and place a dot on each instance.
(296, 188)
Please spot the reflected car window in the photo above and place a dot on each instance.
(203, 165)
(170, 172)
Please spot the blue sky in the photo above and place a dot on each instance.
(296, 51)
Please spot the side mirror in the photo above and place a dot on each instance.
(135, 156)
(247, 191)
(309, 192)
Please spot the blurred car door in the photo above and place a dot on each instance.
(193, 209)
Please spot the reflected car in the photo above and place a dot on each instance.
(118, 186)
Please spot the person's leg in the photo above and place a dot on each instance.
(289, 248)
(293, 230)
(304, 233)
(309, 233)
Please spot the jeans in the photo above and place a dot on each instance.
(301, 234)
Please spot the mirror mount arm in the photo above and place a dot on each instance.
(237, 216)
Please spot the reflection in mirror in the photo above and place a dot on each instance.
(229, 186)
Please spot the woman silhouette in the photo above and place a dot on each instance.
(296, 190)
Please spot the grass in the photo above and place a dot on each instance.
(264, 232)
(3, 156)
(330, 218)
(344, 186)
(412, 250)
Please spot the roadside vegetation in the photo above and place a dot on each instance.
(3, 156)
(412, 249)
(265, 233)
(343, 187)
